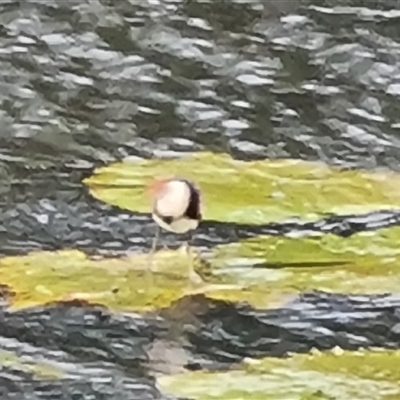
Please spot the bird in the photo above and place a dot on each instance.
(176, 207)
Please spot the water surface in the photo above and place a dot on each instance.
(87, 83)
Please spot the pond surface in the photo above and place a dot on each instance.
(85, 85)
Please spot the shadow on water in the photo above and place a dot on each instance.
(83, 84)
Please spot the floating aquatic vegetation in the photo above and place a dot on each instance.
(340, 375)
(366, 262)
(263, 271)
(119, 283)
(254, 192)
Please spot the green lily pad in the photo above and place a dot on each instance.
(338, 375)
(368, 262)
(119, 283)
(253, 192)
(45, 276)
(264, 271)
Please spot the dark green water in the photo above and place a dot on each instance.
(86, 83)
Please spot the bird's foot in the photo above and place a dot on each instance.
(194, 278)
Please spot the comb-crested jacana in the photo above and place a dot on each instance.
(176, 207)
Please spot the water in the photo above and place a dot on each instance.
(86, 83)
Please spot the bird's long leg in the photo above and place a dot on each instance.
(194, 278)
(149, 267)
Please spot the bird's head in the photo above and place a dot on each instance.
(171, 196)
